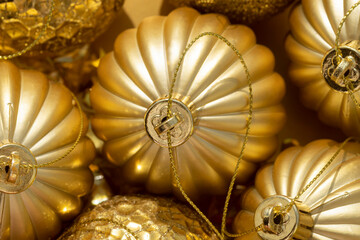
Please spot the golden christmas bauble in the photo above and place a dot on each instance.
(239, 11)
(139, 217)
(39, 123)
(211, 103)
(73, 24)
(329, 209)
(310, 46)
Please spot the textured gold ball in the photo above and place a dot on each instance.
(239, 11)
(73, 24)
(139, 217)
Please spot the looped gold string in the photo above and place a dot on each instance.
(338, 55)
(36, 41)
(78, 138)
(249, 119)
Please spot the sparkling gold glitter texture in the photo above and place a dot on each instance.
(139, 217)
(73, 24)
(240, 11)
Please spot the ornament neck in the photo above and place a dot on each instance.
(158, 124)
(282, 219)
(342, 73)
(16, 175)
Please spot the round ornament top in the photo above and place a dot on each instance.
(337, 71)
(280, 219)
(180, 124)
(14, 178)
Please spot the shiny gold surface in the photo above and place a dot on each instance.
(101, 190)
(45, 121)
(348, 68)
(180, 125)
(14, 179)
(281, 225)
(212, 84)
(240, 11)
(74, 23)
(333, 200)
(141, 218)
(313, 28)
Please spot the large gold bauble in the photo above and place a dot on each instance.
(210, 103)
(39, 122)
(141, 218)
(239, 11)
(329, 209)
(310, 46)
(73, 24)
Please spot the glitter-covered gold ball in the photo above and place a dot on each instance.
(238, 11)
(73, 23)
(139, 217)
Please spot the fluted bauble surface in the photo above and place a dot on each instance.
(313, 25)
(39, 121)
(333, 200)
(211, 101)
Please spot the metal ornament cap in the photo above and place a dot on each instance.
(180, 124)
(280, 225)
(348, 69)
(13, 177)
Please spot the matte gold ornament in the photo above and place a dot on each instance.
(39, 123)
(210, 103)
(327, 210)
(321, 79)
(73, 24)
(139, 217)
(239, 11)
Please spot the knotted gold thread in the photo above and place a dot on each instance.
(249, 119)
(338, 55)
(36, 41)
(32, 166)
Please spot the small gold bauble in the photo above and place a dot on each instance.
(73, 24)
(141, 218)
(239, 11)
